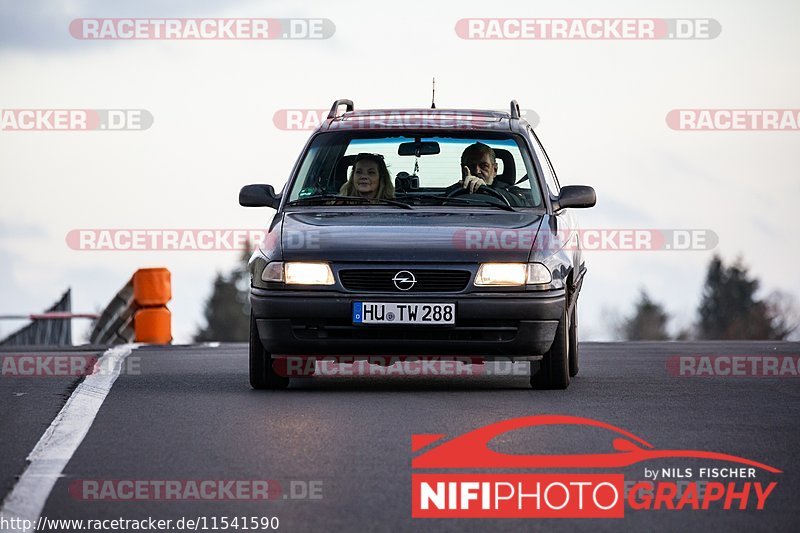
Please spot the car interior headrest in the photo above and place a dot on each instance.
(340, 172)
(509, 174)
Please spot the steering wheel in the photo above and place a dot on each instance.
(461, 191)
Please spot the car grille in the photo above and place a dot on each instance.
(427, 280)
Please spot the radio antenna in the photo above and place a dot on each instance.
(433, 95)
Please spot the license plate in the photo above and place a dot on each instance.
(405, 313)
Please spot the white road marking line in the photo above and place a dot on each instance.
(59, 442)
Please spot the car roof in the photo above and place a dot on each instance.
(422, 119)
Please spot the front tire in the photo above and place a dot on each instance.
(573, 341)
(262, 374)
(554, 368)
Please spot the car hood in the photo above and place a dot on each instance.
(402, 236)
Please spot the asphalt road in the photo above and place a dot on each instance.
(29, 401)
(187, 413)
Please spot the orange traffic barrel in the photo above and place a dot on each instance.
(152, 286)
(153, 325)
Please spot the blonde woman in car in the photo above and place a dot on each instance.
(369, 178)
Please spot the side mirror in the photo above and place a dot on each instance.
(259, 195)
(576, 196)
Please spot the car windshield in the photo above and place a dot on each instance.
(343, 167)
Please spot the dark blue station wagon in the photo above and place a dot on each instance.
(419, 232)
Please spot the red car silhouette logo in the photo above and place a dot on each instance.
(471, 449)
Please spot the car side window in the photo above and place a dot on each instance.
(544, 162)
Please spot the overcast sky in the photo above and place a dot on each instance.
(602, 108)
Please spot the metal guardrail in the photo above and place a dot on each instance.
(138, 312)
(51, 328)
(115, 325)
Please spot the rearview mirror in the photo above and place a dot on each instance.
(259, 195)
(418, 148)
(576, 196)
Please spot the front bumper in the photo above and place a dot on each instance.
(487, 324)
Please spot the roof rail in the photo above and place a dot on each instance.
(339, 102)
(514, 109)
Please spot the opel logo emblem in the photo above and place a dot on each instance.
(404, 280)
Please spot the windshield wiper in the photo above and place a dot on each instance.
(461, 201)
(326, 197)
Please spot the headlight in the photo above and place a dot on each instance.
(308, 274)
(296, 273)
(506, 274)
(512, 274)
